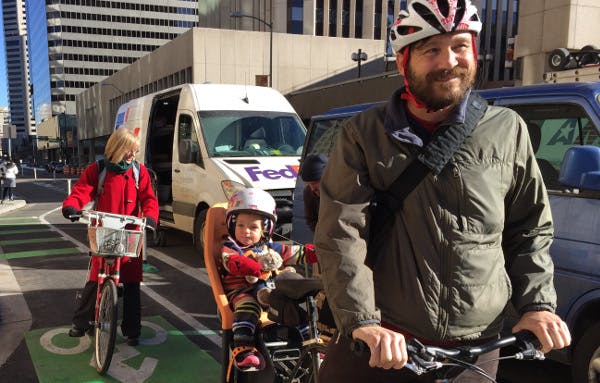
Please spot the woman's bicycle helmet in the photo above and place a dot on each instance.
(426, 18)
(255, 201)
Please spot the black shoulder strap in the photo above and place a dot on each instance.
(444, 143)
(433, 157)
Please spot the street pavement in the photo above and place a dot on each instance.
(43, 262)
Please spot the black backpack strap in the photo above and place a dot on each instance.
(432, 158)
(448, 138)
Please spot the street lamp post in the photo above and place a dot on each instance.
(360, 57)
(238, 14)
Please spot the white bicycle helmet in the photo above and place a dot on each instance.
(252, 200)
(426, 18)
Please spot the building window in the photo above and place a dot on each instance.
(319, 12)
(295, 17)
(358, 30)
(346, 18)
(332, 17)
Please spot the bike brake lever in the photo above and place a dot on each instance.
(530, 355)
(420, 366)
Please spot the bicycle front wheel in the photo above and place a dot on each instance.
(106, 326)
(307, 368)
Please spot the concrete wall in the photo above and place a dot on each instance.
(222, 56)
(318, 100)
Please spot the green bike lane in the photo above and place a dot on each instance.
(49, 267)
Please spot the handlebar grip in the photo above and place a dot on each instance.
(526, 336)
(358, 347)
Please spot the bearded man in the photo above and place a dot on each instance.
(469, 238)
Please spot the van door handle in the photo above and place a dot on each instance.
(177, 171)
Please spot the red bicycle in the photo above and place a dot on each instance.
(111, 237)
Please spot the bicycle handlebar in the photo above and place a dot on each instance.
(112, 219)
(424, 358)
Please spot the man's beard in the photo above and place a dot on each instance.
(436, 95)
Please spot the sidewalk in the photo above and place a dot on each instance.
(15, 317)
(11, 205)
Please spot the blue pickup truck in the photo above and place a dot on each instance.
(564, 126)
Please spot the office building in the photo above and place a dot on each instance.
(17, 72)
(4, 130)
(75, 44)
(368, 19)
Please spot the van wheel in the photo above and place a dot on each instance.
(586, 358)
(199, 230)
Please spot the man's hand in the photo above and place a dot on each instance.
(551, 331)
(388, 348)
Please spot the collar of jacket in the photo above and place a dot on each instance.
(398, 125)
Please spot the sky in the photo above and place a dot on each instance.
(3, 86)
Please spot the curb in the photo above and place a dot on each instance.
(11, 205)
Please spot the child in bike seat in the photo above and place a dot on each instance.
(250, 260)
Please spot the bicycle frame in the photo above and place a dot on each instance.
(111, 236)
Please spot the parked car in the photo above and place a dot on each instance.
(55, 166)
(59, 167)
(563, 119)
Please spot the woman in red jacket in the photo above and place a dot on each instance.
(119, 194)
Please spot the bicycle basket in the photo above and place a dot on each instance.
(106, 241)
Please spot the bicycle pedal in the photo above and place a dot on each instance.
(286, 355)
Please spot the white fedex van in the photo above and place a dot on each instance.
(205, 141)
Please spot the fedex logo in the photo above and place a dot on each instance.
(289, 171)
(122, 118)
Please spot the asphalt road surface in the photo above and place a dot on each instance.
(43, 262)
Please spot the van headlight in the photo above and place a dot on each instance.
(230, 187)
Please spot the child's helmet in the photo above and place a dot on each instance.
(252, 200)
(426, 18)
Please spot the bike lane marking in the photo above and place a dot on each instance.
(39, 253)
(9, 242)
(25, 231)
(163, 355)
(197, 326)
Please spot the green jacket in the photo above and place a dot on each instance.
(465, 243)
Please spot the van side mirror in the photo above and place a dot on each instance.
(581, 168)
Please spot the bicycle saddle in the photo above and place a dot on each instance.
(295, 286)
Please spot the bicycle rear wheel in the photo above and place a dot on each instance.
(307, 368)
(106, 326)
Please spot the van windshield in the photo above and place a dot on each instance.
(251, 133)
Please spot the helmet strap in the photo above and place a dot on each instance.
(408, 95)
(474, 44)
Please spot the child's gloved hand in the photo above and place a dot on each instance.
(270, 260)
(310, 254)
(239, 265)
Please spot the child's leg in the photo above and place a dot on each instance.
(246, 313)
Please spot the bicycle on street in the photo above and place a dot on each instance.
(289, 356)
(111, 237)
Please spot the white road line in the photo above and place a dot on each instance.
(213, 336)
(196, 273)
(210, 334)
